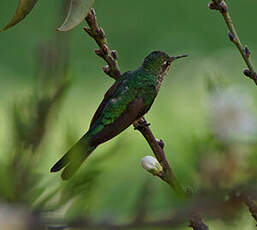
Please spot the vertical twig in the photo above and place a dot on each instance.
(221, 6)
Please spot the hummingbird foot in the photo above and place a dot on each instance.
(161, 143)
(141, 124)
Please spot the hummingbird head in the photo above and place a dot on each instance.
(158, 62)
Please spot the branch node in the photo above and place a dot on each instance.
(92, 11)
(223, 7)
(247, 52)
(197, 224)
(89, 31)
(231, 36)
(141, 125)
(105, 49)
(106, 69)
(251, 75)
(101, 33)
(99, 53)
(161, 143)
(247, 73)
(114, 54)
(213, 6)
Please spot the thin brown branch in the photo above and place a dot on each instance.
(168, 174)
(211, 203)
(110, 56)
(251, 204)
(197, 224)
(165, 223)
(112, 69)
(222, 7)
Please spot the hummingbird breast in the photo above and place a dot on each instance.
(160, 77)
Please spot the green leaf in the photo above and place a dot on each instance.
(24, 8)
(78, 10)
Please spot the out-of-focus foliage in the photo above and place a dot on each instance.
(78, 10)
(29, 116)
(24, 8)
(208, 126)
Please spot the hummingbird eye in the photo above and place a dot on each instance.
(166, 64)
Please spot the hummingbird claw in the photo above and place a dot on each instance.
(141, 124)
(161, 143)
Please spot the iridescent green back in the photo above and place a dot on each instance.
(132, 85)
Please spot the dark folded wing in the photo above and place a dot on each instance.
(107, 96)
(133, 112)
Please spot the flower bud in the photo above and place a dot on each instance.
(247, 73)
(231, 36)
(213, 6)
(161, 143)
(247, 52)
(105, 49)
(114, 54)
(106, 69)
(101, 33)
(150, 164)
(223, 6)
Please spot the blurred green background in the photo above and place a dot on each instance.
(179, 116)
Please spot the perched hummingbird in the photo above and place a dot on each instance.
(128, 99)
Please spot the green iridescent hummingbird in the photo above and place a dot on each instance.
(128, 99)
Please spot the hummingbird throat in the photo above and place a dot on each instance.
(160, 77)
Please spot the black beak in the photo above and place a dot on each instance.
(172, 58)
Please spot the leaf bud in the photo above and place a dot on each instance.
(150, 164)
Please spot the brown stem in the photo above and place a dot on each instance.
(168, 174)
(110, 56)
(197, 224)
(112, 69)
(251, 204)
(222, 7)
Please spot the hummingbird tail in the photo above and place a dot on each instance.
(73, 159)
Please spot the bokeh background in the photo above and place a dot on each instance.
(205, 112)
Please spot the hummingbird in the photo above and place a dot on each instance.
(126, 101)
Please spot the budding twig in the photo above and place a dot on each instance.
(168, 175)
(221, 6)
(112, 69)
(110, 56)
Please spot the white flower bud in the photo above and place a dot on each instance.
(150, 164)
